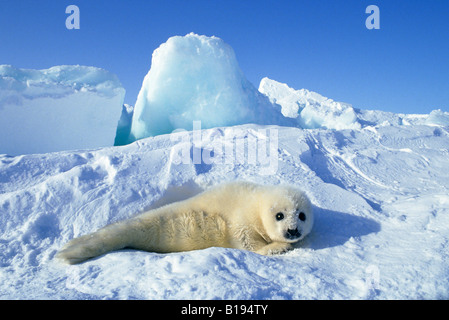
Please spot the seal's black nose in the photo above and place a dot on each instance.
(293, 232)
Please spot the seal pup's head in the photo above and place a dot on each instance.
(287, 214)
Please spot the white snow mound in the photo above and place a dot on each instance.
(61, 108)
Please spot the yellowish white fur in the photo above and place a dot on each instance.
(238, 215)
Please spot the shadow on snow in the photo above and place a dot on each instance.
(334, 228)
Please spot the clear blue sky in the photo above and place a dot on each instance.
(320, 45)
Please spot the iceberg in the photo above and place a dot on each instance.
(56, 109)
(197, 78)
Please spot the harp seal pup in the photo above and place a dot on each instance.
(260, 218)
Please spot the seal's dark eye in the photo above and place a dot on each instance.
(279, 216)
(302, 216)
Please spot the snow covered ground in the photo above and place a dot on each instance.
(378, 182)
(380, 195)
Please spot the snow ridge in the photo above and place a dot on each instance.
(311, 109)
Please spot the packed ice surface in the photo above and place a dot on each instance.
(197, 78)
(61, 108)
(380, 196)
(311, 109)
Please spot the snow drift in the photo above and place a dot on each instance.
(61, 108)
(197, 78)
